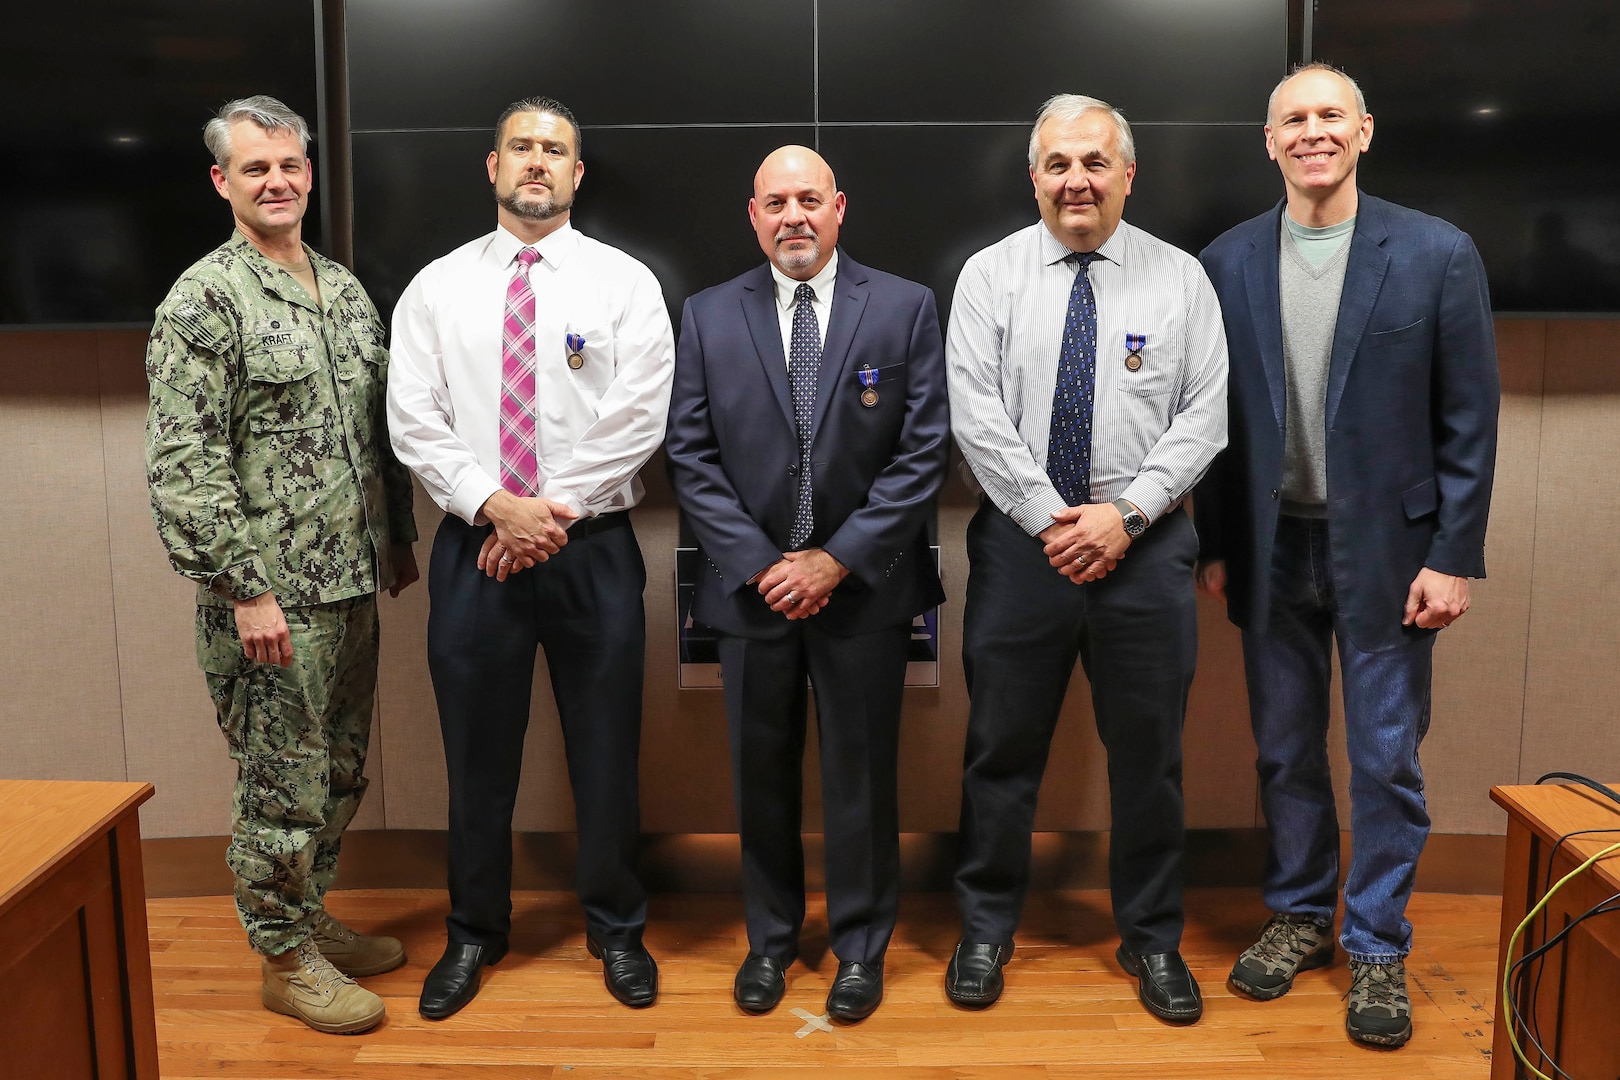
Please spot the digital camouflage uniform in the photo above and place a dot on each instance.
(269, 467)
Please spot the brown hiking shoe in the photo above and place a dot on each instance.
(352, 952)
(1380, 1011)
(303, 983)
(1288, 945)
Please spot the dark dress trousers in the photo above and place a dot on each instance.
(733, 455)
(584, 607)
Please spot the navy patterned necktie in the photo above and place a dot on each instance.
(1068, 449)
(804, 373)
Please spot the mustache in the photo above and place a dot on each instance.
(798, 232)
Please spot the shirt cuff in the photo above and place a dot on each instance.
(468, 500)
(1035, 515)
(243, 581)
(1148, 497)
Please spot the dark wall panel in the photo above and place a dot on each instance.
(104, 194)
(1183, 60)
(427, 64)
(1461, 93)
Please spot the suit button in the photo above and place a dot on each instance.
(1273, 493)
(793, 470)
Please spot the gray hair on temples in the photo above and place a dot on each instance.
(267, 112)
(1072, 107)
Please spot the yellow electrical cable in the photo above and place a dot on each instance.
(1506, 1014)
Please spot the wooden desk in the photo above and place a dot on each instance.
(75, 964)
(1580, 983)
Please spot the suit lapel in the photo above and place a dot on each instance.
(1363, 277)
(1262, 280)
(759, 309)
(849, 303)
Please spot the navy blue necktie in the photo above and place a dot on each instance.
(804, 374)
(1068, 449)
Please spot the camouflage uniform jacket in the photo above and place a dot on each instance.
(267, 442)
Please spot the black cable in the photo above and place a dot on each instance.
(1534, 1028)
(1585, 781)
(1519, 970)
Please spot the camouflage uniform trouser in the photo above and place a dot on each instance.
(298, 735)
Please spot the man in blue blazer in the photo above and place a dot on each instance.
(807, 440)
(1350, 505)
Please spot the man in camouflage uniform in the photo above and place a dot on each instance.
(274, 488)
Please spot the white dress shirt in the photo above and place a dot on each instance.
(594, 427)
(1154, 430)
(786, 287)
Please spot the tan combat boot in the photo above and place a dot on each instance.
(302, 983)
(353, 953)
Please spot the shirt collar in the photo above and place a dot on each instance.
(554, 247)
(822, 283)
(1054, 250)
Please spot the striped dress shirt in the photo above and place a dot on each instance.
(1154, 430)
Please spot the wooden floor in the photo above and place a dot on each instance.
(1068, 1011)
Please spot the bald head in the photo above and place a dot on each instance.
(796, 211)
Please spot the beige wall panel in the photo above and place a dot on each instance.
(1479, 664)
(1218, 775)
(172, 739)
(59, 712)
(1574, 669)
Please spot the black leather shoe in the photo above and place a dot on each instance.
(1164, 985)
(630, 974)
(974, 975)
(856, 991)
(761, 982)
(454, 979)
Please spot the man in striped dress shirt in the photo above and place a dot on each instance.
(1087, 371)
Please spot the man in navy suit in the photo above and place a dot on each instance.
(807, 440)
(1350, 506)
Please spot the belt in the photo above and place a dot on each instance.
(619, 519)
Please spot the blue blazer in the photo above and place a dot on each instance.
(733, 448)
(1412, 401)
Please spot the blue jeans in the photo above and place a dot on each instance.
(1386, 705)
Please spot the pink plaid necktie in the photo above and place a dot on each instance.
(520, 468)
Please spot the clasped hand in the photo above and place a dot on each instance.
(1086, 542)
(800, 583)
(527, 531)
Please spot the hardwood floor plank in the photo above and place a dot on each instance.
(1068, 1010)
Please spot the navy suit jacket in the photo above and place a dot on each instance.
(1412, 402)
(733, 448)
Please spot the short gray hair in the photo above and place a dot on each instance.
(267, 112)
(1361, 99)
(1073, 107)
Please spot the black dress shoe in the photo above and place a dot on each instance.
(454, 979)
(761, 982)
(1164, 985)
(974, 975)
(856, 991)
(630, 974)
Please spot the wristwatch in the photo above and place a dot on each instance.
(1136, 522)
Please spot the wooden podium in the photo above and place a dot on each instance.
(1578, 1005)
(75, 964)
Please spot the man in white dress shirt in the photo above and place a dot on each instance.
(531, 382)
(1087, 369)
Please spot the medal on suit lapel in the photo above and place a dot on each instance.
(1134, 344)
(869, 379)
(575, 344)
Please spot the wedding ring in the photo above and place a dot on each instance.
(791, 600)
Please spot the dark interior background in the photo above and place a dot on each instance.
(1493, 114)
(104, 188)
